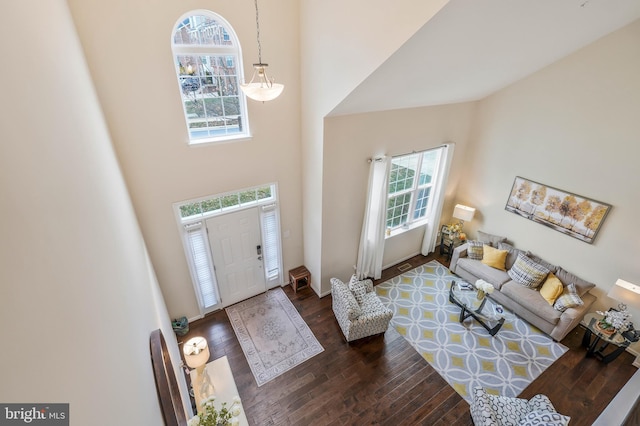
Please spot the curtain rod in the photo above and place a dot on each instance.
(370, 159)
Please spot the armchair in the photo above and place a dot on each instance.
(495, 410)
(358, 310)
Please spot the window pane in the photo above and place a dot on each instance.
(422, 202)
(264, 192)
(191, 209)
(247, 197)
(429, 162)
(229, 200)
(398, 210)
(211, 205)
(201, 30)
(403, 171)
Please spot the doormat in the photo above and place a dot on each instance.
(464, 354)
(272, 334)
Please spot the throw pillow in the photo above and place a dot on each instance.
(544, 418)
(358, 289)
(568, 299)
(494, 257)
(527, 272)
(551, 289)
(475, 250)
(512, 255)
(491, 239)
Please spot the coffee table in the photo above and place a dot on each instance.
(486, 311)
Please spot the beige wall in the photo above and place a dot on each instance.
(349, 142)
(574, 126)
(78, 295)
(338, 51)
(133, 71)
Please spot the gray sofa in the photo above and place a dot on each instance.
(525, 302)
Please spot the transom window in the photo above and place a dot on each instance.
(411, 182)
(208, 65)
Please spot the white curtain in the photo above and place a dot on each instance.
(433, 219)
(373, 226)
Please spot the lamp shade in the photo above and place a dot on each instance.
(196, 352)
(625, 292)
(463, 212)
(261, 92)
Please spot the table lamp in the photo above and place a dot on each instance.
(196, 353)
(463, 213)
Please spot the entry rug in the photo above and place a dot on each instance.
(272, 334)
(464, 354)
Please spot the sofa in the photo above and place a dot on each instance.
(358, 310)
(545, 295)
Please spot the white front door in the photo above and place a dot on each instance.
(235, 241)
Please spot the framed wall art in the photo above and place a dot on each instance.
(571, 214)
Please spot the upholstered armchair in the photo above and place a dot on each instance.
(358, 310)
(495, 410)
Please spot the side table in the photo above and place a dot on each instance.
(448, 242)
(597, 342)
(299, 277)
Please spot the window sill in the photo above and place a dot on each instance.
(403, 229)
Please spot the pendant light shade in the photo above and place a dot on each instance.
(261, 87)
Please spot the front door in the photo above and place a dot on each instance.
(235, 241)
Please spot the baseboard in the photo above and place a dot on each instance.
(398, 261)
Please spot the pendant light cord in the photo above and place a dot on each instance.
(258, 34)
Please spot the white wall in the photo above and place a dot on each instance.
(574, 126)
(127, 44)
(78, 297)
(349, 142)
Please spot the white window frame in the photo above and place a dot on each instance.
(234, 51)
(414, 191)
(269, 222)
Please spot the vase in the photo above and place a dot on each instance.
(480, 294)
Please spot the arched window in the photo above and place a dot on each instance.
(208, 63)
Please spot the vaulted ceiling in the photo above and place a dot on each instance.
(472, 48)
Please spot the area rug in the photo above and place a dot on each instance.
(464, 354)
(272, 334)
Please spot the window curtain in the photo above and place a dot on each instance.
(372, 239)
(435, 212)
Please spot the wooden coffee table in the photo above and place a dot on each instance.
(486, 311)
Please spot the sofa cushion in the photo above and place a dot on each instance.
(358, 289)
(527, 272)
(568, 299)
(475, 249)
(491, 239)
(567, 278)
(551, 289)
(531, 300)
(512, 255)
(494, 257)
(481, 271)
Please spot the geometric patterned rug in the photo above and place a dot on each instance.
(272, 334)
(464, 354)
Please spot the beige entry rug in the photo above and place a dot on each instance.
(272, 334)
(464, 354)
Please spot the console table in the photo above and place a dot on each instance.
(224, 386)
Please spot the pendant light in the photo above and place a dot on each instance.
(261, 87)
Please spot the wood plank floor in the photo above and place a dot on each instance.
(384, 381)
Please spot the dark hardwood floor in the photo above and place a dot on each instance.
(382, 380)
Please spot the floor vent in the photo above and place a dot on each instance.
(405, 267)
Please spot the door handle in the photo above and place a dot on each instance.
(259, 257)
(259, 249)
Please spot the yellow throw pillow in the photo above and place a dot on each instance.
(551, 289)
(494, 257)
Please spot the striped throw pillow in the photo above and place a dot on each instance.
(527, 272)
(475, 250)
(568, 299)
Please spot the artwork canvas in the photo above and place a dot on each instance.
(571, 214)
